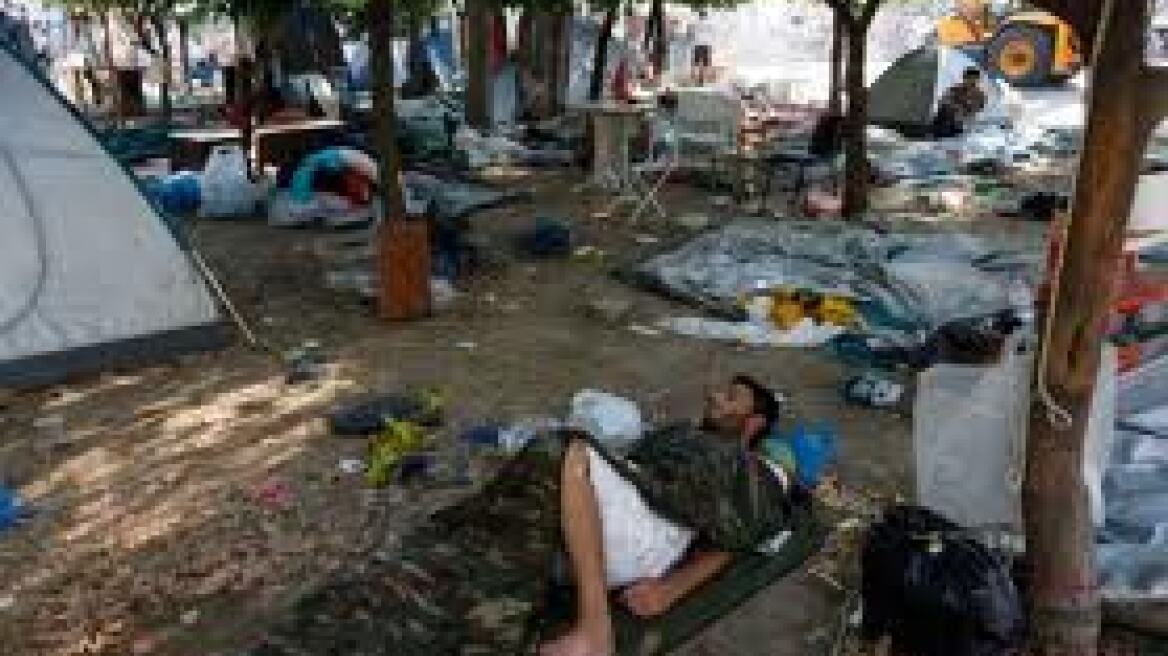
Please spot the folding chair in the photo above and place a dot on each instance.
(649, 177)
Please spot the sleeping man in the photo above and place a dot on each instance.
(651, 527)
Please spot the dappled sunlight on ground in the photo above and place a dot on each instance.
(186, 504)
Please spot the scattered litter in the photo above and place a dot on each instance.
(226, 190)
(351, 466)
(513, 438)
(482, 436)
(413, 467)
(190, 617)
(305, 363)
(466, 346)
(274, 494)
(387, 449)
(12, 509)
(646, 239)
(693, 221)
(7, 602)
(589, 253)
(371, 414)
(609, 418)
(442, 293)
(644, 331)
(547, 238)
(806, 333)
(611, 311)
(872, 391)
(934, 589)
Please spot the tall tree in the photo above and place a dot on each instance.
(658, 35)
(478, 27)
(403, 259)
(835, 102)
(855, 17)
(600, 57)
(1126, 101)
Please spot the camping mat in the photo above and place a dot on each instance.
(746, 576)
(905, 283)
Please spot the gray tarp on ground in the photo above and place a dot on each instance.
(907, 283)
(1133, 550)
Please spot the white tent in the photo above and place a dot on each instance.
(90, 275)
(905, 96)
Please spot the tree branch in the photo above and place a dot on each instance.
(869, 11)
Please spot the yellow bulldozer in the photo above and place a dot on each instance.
(1027, 48)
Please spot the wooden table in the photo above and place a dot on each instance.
(613, 127)
(284, 144)
(279, 144)
(189, 148)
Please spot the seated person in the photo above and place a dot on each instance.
(474, 579)
(959, 106)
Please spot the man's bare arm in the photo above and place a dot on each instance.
(652, 597)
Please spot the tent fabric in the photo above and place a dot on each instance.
(90, 274)
(905, 96)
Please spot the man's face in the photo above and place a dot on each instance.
(729, 410)
(971, 81)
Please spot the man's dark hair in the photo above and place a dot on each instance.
(764, 403)
(972, 71)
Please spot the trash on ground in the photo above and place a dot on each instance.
(644, 331)
(372, 414)
(387, 449)
(547, 238)
(12, 509)
(805, 333)
(305, 363)
(611, 311)
(807, 450)
(274, 494)
(225, 189)
(933, 589)
(871, 391)
(609, 418)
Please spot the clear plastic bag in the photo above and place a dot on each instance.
(227, 192)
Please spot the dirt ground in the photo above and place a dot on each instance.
(186, 502)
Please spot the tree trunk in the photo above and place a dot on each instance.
(403, 259)
(1064, 600)
(384, 140)
(600, 60)
(167, 56)
(855, 200)
(419, 82)
(184, 54)
(111, 70)
(478, 84)
(835, 102)
(557, 62)
(660, 55)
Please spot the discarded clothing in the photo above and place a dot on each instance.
(373, 414)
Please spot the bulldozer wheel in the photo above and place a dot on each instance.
(1023, 55)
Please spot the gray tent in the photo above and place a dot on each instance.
(905, 96)
(90, 275)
